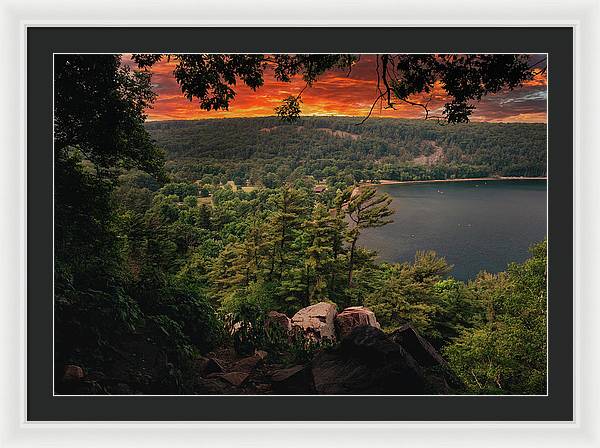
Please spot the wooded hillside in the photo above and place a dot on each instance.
(268, 152)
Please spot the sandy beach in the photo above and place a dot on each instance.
(471, 179)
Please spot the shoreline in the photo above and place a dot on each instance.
(469, 179)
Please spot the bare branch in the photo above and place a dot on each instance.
(538, 63)
(381, 95)
(384, 61)
(301, 92)
(424, 106)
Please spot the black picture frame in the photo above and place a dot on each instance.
(43, 42)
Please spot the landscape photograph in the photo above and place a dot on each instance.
(300, 224)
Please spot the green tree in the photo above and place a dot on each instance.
(507, 354)
(320, 234)
(98, 129)
(180, 189)
(290, 206)
(406, 294)
(366, 209)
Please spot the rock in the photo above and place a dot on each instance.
(367, 362)
(421, 350)
(317, 320)
(440, 378)
(294, 380)
(213, 366)
(278, 321)
(212, 386)
(234, 378)
(352, 317)
(261, 354)
(247, 364)
(73, 373)
(207, 366)
(263, 388)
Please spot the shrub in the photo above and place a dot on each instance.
(507, 354)
(90, 323)
(193, 313)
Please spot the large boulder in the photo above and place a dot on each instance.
(352, 317)
(317, 320)
(418, 347)
(440, 378)
(367, 362)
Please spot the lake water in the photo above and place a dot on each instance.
(475, 225)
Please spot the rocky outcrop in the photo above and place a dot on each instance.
(317, 320)
(367, 362)
(439, 375)
(418, 347)
(355, 316)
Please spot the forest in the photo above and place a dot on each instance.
(265, 151)
(168, 276)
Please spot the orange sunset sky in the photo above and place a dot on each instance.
(335, 93)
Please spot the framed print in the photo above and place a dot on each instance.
(300, 224)
(308, 220)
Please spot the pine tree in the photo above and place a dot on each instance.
(366, 208)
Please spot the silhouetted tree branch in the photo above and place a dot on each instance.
(465, 79)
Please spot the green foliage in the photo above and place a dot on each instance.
(244, 316)
(248, 303)
(99, 109)
(87, 252)
(263, 151)
(417, 293)
(507, 354)
(179, 189)
(246, 321)
(193, 311)
(168, 334)
(293, 349)
(119, 243)
(90, 323)
(410, 293)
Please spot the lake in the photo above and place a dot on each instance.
(475, 225)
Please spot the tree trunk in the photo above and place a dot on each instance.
(351, 262)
